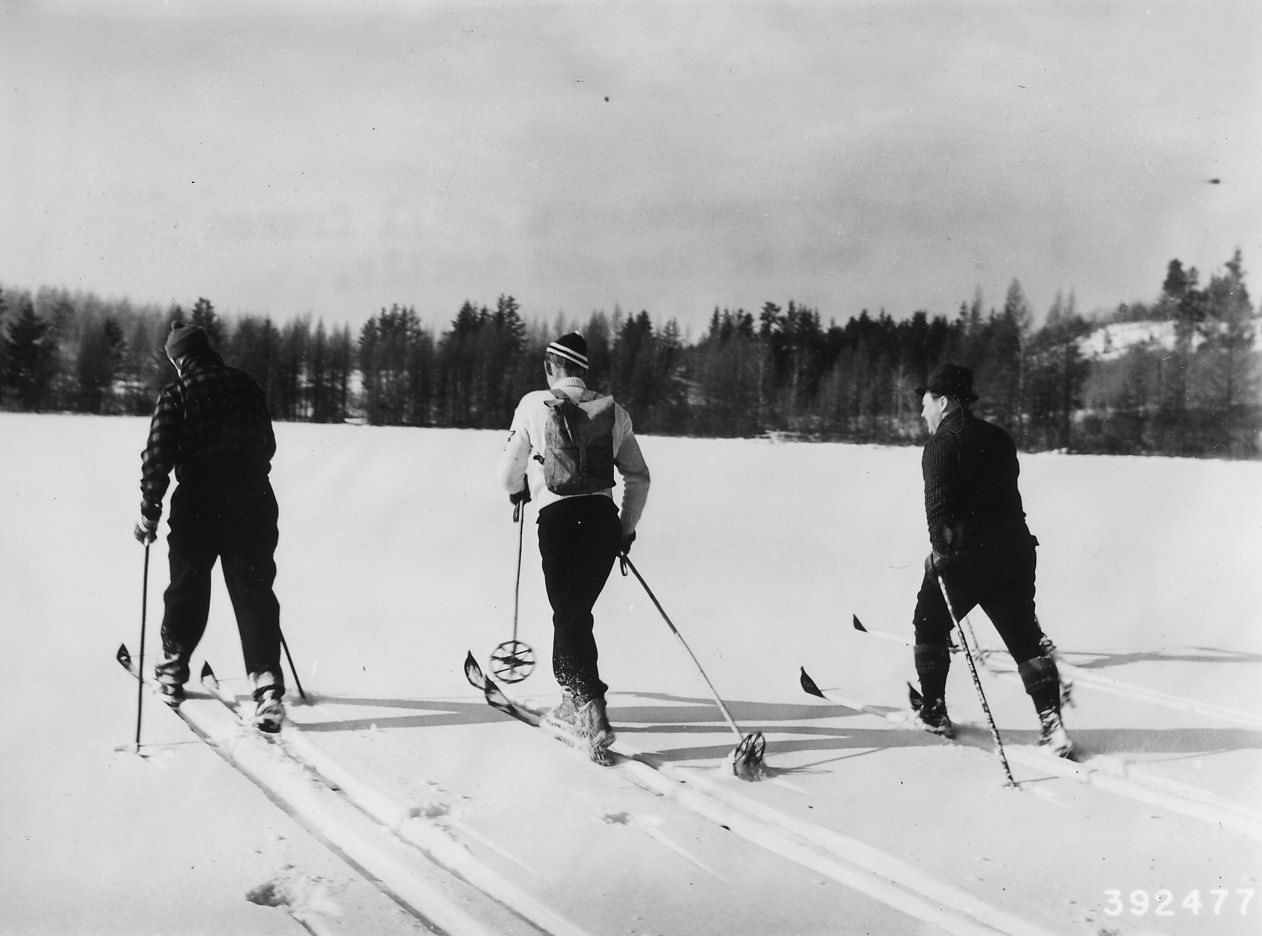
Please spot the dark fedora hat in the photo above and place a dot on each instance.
(950, 380)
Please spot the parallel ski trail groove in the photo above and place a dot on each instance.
(1176, 703)
(1104, 683)
(426, 836)
(390, 871)
(1105, 773)
(847, 861)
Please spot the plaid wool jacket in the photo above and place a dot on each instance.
(212, 425)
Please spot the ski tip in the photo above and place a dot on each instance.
(473, 672)
(809, 684)
(123, 656)
(858, 625)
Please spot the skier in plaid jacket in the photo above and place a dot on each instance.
(211, 427)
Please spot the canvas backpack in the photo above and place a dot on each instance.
(578, 444)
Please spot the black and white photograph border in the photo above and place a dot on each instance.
(657, 172)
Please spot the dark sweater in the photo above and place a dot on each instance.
(971, 496)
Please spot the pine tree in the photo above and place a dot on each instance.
(4, 346)
(392, 361)
(1231, 388)
(633, 369)
(32, 354)
(204, 314)
(255, 347)
(99, 363)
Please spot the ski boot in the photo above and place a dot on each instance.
(594, 728)
(172, 693)
(563, 717)
(1052, 734)
(269, 711)
(171, 674)
(933, 717)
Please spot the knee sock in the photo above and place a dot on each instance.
(1042, 682)
(933, 662)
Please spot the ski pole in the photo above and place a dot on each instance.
(519, 518)
(747, 760)
(967, 635)
(512, 661)
(292, 669)
(140, 671)
(977, 683)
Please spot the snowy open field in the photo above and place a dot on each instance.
(397, 555)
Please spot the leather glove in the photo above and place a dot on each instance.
(146, 530)
(936, 563)
(625, 548)
(520, 497)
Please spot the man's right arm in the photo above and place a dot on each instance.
(161, 454)
(515, 458)
(940, 466)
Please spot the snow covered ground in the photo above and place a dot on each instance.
(398, 554)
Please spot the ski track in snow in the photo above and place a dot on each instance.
(852, 864)
(1110, 774)
(847, 861)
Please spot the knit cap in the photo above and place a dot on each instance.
(185, 339)
(571, 347)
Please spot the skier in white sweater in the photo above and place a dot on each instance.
(563, 447)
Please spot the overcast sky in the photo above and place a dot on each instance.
(334, 158)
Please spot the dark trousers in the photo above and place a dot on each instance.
(579, 539)
(237, 526)
(997, 578)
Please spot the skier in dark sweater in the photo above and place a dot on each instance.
(981, 549)
(212, 428)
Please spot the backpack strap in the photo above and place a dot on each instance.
(586, 396)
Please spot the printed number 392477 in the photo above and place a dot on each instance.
(1165, 903)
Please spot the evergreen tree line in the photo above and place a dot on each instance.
(779, 371)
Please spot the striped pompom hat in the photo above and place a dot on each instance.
(571, 348)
